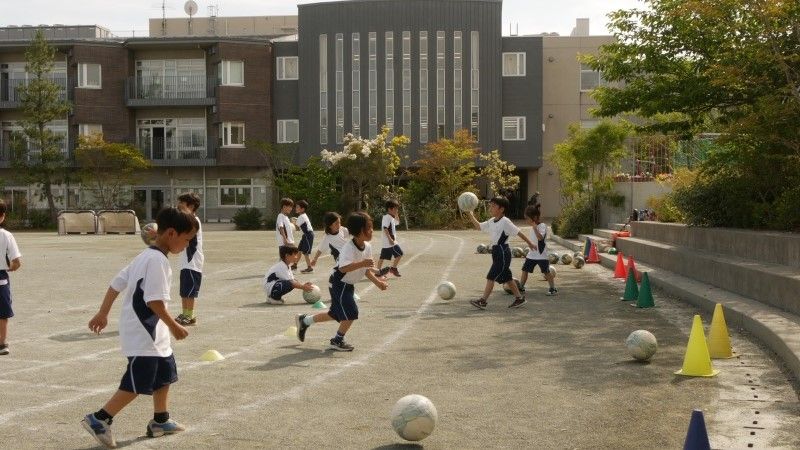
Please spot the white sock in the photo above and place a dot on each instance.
(308, 320)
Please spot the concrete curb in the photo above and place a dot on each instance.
(778, 330)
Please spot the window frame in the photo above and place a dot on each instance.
(224, 73)
(225, 134)
(280, 68)
(584, 68)
(221, 185)
(84, 129)
(520, 56)
(281, 131)
(83, 76)
(521, 133)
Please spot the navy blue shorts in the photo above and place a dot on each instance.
(391, 252)
(5, 296)
(500, 272)
(280, 288)
(146, 374)
(306, 243)
(343, 306)
(531, 264)
(190, 283)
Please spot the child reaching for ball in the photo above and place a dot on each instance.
(537, 256)
(279, 279)
(355, 262)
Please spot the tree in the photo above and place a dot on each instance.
(110, 168)
(36, 152)
(314, 183)
(499, 174)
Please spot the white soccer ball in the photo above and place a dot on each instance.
(578, 262)
(553, 257)
(552, 270)
(517, 252)
(446, 290)
(642, 345)
(467, 201)
(149, 233)
(481, 248)
(566, 259)
(312, 296)
(414, 417)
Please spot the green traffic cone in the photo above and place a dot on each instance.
(645, 299)
(319, 305)
(631, 289)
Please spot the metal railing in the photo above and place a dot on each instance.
(10, 93)
(170, 87)
(657, 157)
(159, 149)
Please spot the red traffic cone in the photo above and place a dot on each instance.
(619, 270)
(593, 256)
(632, 266)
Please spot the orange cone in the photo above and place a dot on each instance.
(619, 271)
(632, 266)
(593, 256)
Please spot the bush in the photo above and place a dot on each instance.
(247, 219)
(39, 219)
(786, 212)
(665, 209)
(575, 218)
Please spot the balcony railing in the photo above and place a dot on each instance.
(10, 96)
(173, 152)
(170, 90)
(32, 154)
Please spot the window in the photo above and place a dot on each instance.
(288, 131)
(88, 129)
(373, 85)
(407, 83)
(514, 64)
(475, 86)
(423, 87)
(457, 81)
(513, 128)
(590, 79)
(440, 82)
(236, 192)
(323, 89)
(231, 73)
(390, 82)
(89, 76)
(356, 85)
(287, 67)
(339, 50)
(231, 134)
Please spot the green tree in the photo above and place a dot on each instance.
(36, 151)
(312, 182)
(109, 168)
(499, 173)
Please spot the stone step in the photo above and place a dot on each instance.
(771, 284)
(615, 226)
(604, 233)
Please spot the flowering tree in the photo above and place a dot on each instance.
(365, 165)
(498, 173)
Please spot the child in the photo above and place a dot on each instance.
(191, 262)
(144, 328)
(284, 228)
(389, 239)
(335, 237)
(355, 262)
(500, 228)
(8, 263)
(537, 256)
(307, 241)
(279, 279)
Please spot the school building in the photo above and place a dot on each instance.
(196, 96)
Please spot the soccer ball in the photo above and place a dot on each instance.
(312, 296)
(481, 248)
(517, 252)
(508, 290)
(566, 259)
(578, 262)
(552, 270)
(149, 233)
(446, 290)
(642, 345)
(414, 417)
(612, 251)
(467, 201)
(553, 257)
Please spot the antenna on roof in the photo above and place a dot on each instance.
(190, 8)
(163, 17)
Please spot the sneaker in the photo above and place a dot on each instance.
(301, 327)
(395, 272)
(479, 303)
(552, 291)
(186, 320)
(521, 288)
(307, 270)
(382, 272)
(519, 301)
(4, 349)
(341, 346)
(155, 429)
(99, 429)
(275, 301)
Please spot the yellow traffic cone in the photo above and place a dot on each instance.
(211, 356)
(719, 342)
(697, 362)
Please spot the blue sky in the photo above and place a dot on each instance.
(123, 16)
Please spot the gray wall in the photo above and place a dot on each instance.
(379, 16)
(522, 96)
(284, 92)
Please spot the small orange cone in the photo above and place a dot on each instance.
(619, 270)
(697, 362)
(719, 342)
(632, 266)
(593, 256)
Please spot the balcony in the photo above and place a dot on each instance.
(6, 156)
(163, 152)
(10, 97)
(149, 91)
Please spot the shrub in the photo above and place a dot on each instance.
(40, 219)
(665, 209)
(786, 210)
(575, 218)
(247, 219)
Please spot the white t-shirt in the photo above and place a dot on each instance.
(8, 249)
(303, 220)
(335, 241)
(279, 271)
(388, 222)
(541, 251)
(351, 254)
(285, 223)
(145, 279)
(192, 257)
(500, 230)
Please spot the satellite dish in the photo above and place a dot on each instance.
(190, 7)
